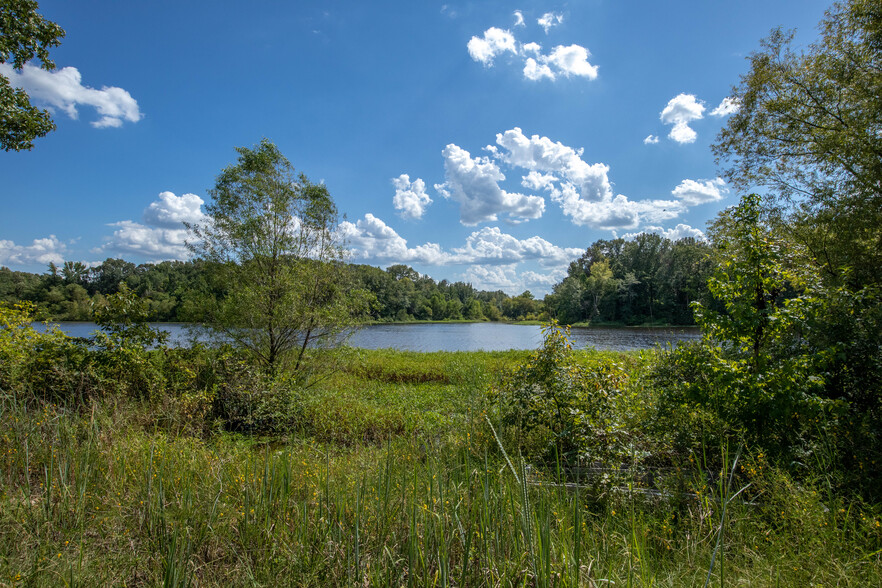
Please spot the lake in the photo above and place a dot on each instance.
(466, 336)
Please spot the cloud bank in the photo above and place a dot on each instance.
(41, 251)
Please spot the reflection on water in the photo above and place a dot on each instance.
(464, 336)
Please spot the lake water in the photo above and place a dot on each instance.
(466, 336)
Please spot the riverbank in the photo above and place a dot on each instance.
(390, 475)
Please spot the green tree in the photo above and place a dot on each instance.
(24, 35)
(272, 234)
(809, 131)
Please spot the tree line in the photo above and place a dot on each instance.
(649, 279)
(176, 291)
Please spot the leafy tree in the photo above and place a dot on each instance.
(24, 35)
(272, 234)
(809, 130)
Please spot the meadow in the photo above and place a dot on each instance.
(398, 470)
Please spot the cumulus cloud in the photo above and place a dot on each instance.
(491, 246)
(41, 251)
(371, 239)
(727, 106)
(163, 234)
(693, 192)
(154, 243)
(571, 60)
(519, 19)
(63, 89)
(568, 61)
(494, 42)
(533, 70)
(584, 191)
(474, 184)
(612, 213)
(681, 231)
(172, 211)
(541, 154)
(410, 198)
(538, 181)
(564, 60)
(549, 20)
(512, 280)
(650, 140)
(680, 111)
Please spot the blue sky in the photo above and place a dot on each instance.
(490, 142)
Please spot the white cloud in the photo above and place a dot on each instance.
(63, 89)
(650, 140)
(171, 211)
(548, 20)
(571, 61)
(727, 106)
(152, 242)
(41, 251)
(679, 232)
(410, 197)
(495, 42)
(512, 280)
(372, 239)
(544, 155)
(680, 111)
(692, 192)
(612, 213)
(519, 19)
(491, 246)
(474, 184)
(493, 278)
(585, 193)
(537, 181)
(535, 71)
(163, 235)
(565, 60)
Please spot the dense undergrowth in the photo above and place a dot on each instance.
(176, 467)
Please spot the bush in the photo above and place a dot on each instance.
(561, 408)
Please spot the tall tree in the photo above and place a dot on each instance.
(809, 131)
(272, 234)
(24, 35)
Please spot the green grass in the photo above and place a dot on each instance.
(394, 479)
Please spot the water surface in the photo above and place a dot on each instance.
(465, 336)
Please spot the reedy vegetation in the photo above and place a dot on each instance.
(385, 474)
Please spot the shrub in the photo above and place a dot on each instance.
(562, 408)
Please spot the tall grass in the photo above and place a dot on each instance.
(100, 496)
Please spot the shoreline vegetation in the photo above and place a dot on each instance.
(398, 469)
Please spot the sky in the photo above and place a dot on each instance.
(489, 142)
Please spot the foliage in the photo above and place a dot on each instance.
(809, 129)
(649, 279)
(562, 408)
(788, 364)
(380, 504)
(24, 35)
(271, 233)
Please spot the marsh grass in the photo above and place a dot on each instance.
(394, 479)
